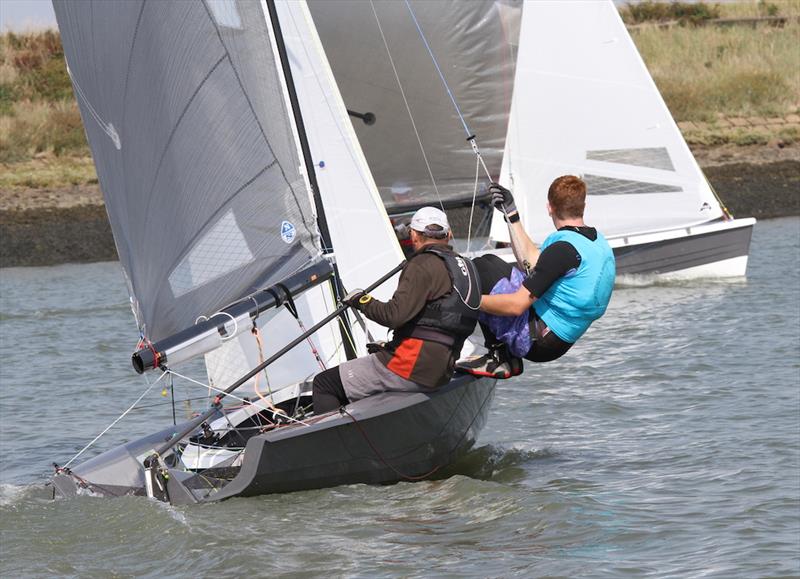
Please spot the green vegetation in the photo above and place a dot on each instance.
(702, 13)
(38, 113)
(48, 172)
(738, 71)
(682, 12)
(702, 72)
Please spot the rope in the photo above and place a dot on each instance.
(347, 332)
(405, 100)
(343, 410)
(110, 426)
(472, 207)
(271, 402)
(310, 343)
(439, 70)
(260, 345)
(230, 395)
(470, 135)
(160, 404)
(728, 215)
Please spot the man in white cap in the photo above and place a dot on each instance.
(432, 312)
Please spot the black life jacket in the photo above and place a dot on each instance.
(450, 319)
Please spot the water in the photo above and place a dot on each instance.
(666, 444)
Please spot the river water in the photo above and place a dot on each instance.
(666, 444)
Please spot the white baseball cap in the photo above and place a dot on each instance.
(430, 216)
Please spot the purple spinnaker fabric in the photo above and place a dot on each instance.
(513, 331)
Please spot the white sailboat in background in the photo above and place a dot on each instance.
(235, 186)
(583, 103)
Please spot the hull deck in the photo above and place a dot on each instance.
(711, 250)
(381, 439)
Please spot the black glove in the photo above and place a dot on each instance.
(375, 347)
(353, 299)
(502, 197)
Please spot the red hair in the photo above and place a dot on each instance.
(567, 197)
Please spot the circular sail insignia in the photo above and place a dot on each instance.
(288, 231)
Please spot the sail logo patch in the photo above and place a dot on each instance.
(288, 232)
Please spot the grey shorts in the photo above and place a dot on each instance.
(366, 376)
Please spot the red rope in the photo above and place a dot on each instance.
(343, 410)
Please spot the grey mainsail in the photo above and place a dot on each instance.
(473, 43)
(281, 132)
(194, 150)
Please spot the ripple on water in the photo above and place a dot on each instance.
(664, 444)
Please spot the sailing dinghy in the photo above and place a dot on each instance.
(242, 208)
(584, 103)
(549, 88)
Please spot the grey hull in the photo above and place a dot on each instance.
(381, 439)
(397, 436)
(673, 255)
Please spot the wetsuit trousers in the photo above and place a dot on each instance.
(328, 391)
(546, 346)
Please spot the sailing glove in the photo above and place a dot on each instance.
(356, 299)
(502, 197)
(375, 347)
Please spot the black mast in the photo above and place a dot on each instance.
(322, 221)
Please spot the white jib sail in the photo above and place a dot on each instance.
(585, 104)
(361, 234)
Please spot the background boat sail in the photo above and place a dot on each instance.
(583, 103)
(417, 148)
(234, 184)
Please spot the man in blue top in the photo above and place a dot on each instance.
(539, 316)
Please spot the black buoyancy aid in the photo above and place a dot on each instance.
(451, 318)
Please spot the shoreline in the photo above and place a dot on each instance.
(40, 227)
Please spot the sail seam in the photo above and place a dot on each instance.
(202, 229)
(124, 230)
(130, 60)
(175, 130)
(257, 120)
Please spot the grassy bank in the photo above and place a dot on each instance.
(738, 71)
(38, 113)
(704, 73)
